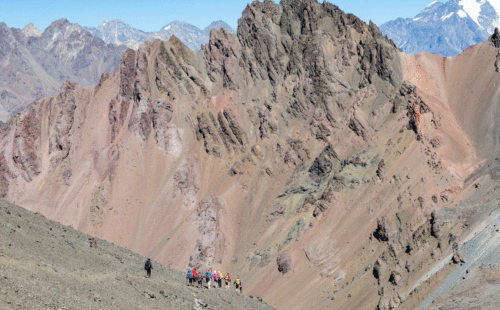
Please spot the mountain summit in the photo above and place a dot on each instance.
(445, 28)
(30, 30)
(118, 33)
(218, 25)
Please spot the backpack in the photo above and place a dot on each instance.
(228, 278)
(148, 265)
(237, 281)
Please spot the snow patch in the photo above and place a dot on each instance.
(447, 16)
(55, 35)
(462, 14)
(166, 27)
(472, 8)
(430, 4)
(496, 5)
(415, 19)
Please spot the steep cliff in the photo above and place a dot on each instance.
(306, 153)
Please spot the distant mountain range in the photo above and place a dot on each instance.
(445, 28)
(35, 64)
(118, 33)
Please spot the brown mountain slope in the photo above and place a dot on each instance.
(306, 153)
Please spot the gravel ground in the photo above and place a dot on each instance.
(475, 283)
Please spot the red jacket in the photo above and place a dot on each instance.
(195, 274)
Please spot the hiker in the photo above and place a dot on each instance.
(200, 281)
(228, 280)
(220, 278)
(189, 276)
(148, 266)
(215, 276)
(208, 277)
(194, 276)
(238, 284)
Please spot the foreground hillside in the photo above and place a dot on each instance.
(45, 265)
(306, 153)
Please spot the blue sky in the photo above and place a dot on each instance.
(152, 15)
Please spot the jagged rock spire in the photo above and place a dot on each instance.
(495, 38)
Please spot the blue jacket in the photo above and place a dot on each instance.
(209, 275)
(189, 274)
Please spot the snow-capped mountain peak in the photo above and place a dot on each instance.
(472, 8)
(445, 28)
(485, 13)
(432, 3)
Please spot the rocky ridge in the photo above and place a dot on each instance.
(307, 148)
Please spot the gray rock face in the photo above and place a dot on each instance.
(34, 66)
(118, 33)
(445, 28)
(211, 241)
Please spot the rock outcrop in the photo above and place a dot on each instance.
(495, 38)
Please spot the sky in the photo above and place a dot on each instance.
(152, 15)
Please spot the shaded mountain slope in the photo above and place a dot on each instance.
(306, 149)
(45, 265)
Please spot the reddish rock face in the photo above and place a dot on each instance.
(308, 133)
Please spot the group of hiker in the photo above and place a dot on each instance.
(218, 278)
(195, 279)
